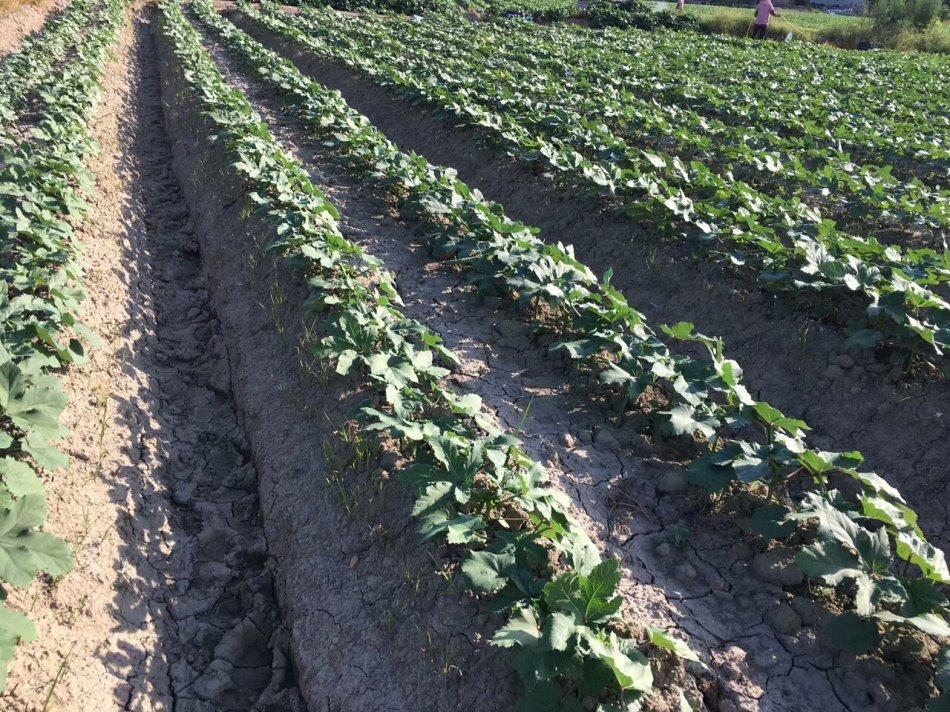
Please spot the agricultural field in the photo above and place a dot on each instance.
(365, 361)
(806, 19)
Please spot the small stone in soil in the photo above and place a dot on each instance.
(776, 566)
(833, 371)
(686, 571)
(672, 481)
(568, 440)
(784, 619)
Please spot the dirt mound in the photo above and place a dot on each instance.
(373, 624)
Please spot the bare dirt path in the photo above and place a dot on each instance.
(797, 363)
(683, 569)
(171, 605)
(18, 20)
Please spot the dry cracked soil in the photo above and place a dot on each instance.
(721, 593)
(231, 556)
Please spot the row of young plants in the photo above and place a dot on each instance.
(42, 182)
(533, 10)
(810, 90)
(862, 196)
(22, 71)
(598, 13)
(726, 218)
(478, 490)
(810, 86)
(790, 93)
(862, 538)
(631, 90)
(557, 77)
(404, 7)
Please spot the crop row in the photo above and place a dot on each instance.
(540, 10)
(42, 182)
(539, 72)
(21, 72)
(598, 85)
(615, 66)
(808, 91)
(863, 539)
(477, 488)
(797, 89)
(793, 248)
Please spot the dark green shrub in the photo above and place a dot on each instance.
(890, 15)
(633, 13)
(543, 10)
(404, 7)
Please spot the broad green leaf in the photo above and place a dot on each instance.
(588, 598)
(924, 596)
(486, 572)
(345, 361)
(632, 671)
(930, 623)
(770, 521)
(829, 561)
(47, 456)
(15, 628)
(546, 697)
(433, 496)
(662, 639)
(521, 631)
(708, 475)
(911, 547)
(20, 478)
(852, 633)
(463, 529)
(558, 630)
(683, 421)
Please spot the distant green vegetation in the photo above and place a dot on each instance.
(821, 27)
(634, 13)
(810, 19)
(403, 7)
(804, 25)
(597, 13)
(543, 10)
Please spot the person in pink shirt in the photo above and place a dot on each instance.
(763, 12)
(681, 5)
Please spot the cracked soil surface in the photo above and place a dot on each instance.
(239, 548)
(171, 605)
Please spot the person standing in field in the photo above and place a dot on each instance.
(763, 13)
(681, 5)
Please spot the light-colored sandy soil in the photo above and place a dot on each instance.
(17, 20)
(171, 604)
